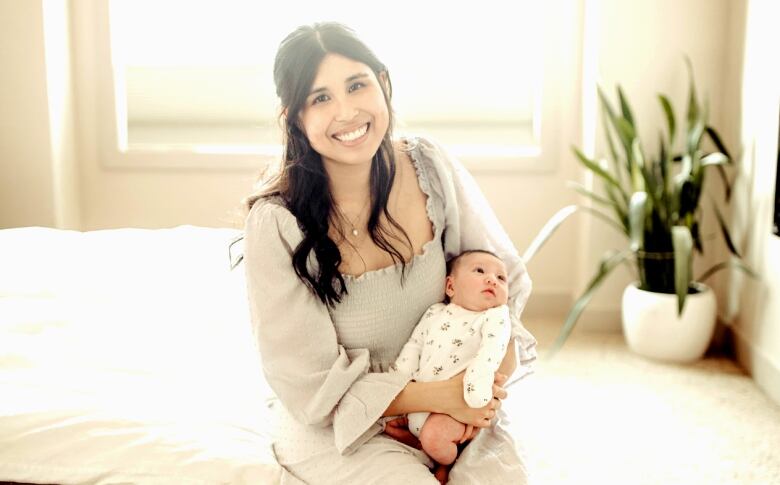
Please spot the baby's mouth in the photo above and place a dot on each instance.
(490, 291)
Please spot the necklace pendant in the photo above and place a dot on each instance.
(354, 232)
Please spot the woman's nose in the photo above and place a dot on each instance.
(346, 111)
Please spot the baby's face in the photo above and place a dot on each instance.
(478, 282)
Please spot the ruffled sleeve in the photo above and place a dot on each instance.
(317, 380)
(470, 223)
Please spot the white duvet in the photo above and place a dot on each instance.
(127, 356)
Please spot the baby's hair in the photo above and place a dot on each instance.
(451, 262)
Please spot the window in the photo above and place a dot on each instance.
(190, 83)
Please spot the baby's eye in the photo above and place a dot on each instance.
(355, 86)
(319, 99)
(502, 277)
(479, 269)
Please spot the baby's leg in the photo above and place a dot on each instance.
(439, 437)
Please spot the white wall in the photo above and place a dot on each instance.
(755, 304)
(38, 170)
(639, 44)
(26, 195)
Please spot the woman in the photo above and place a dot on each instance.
(345, 248)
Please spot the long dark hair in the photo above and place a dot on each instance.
(302, 183)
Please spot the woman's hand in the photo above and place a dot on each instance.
(476, 417)
(471, 432)
(398, 429)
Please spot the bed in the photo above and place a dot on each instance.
(126, 356)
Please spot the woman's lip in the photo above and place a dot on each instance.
(350, 130)
(356, 141)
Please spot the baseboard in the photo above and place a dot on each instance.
(763, 371)
(554, 306)
(549, 304)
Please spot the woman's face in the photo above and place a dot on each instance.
(345, 116)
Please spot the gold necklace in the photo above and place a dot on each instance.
(357, 218)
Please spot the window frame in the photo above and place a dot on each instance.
(561, 60)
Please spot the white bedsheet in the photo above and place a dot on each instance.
(127, 356)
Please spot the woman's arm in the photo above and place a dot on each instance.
(318, 381)
(444, 397)
(509, 364)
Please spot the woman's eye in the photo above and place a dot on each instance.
(355, 86)
(320, 99)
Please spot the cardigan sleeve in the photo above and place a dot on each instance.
(318, 381)
(470, 223)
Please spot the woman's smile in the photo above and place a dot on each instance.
(353, 137)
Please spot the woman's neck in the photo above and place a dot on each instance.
(349, 184)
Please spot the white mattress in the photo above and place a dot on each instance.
(127, 356)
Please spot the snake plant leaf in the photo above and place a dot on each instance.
(625, 108)
(636, 217)
(557, 220)
(695, 233)
(670, 121)
(715, 158)
(622, 227)
(718, 143)
(579, 188)
(609, 262)
(626, 133)
(638, 176)
(725, 231)
(693, 104)
(682, 242)
(687, 165)
(713, 134)
(726, 182)
(695, 135)
(611, 144)
(686, 197)
(620, 207)
(549, 228)
(605, 104)
(725, 264)
(598, 170)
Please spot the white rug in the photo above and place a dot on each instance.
(599, 414)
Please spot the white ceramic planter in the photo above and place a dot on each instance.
(653, 329)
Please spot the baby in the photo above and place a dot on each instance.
(470, 331)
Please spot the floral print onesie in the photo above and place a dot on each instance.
(449, 339)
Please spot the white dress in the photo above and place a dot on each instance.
(450, 339)
(329, 366)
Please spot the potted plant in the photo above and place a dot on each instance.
(656, 202)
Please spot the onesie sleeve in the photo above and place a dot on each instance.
(318, 381)
(495, 332)
(470, 223)
(408, 360)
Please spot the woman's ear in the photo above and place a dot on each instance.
(449, 287)
(385, 80)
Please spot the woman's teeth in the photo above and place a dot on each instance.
(353, 135)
